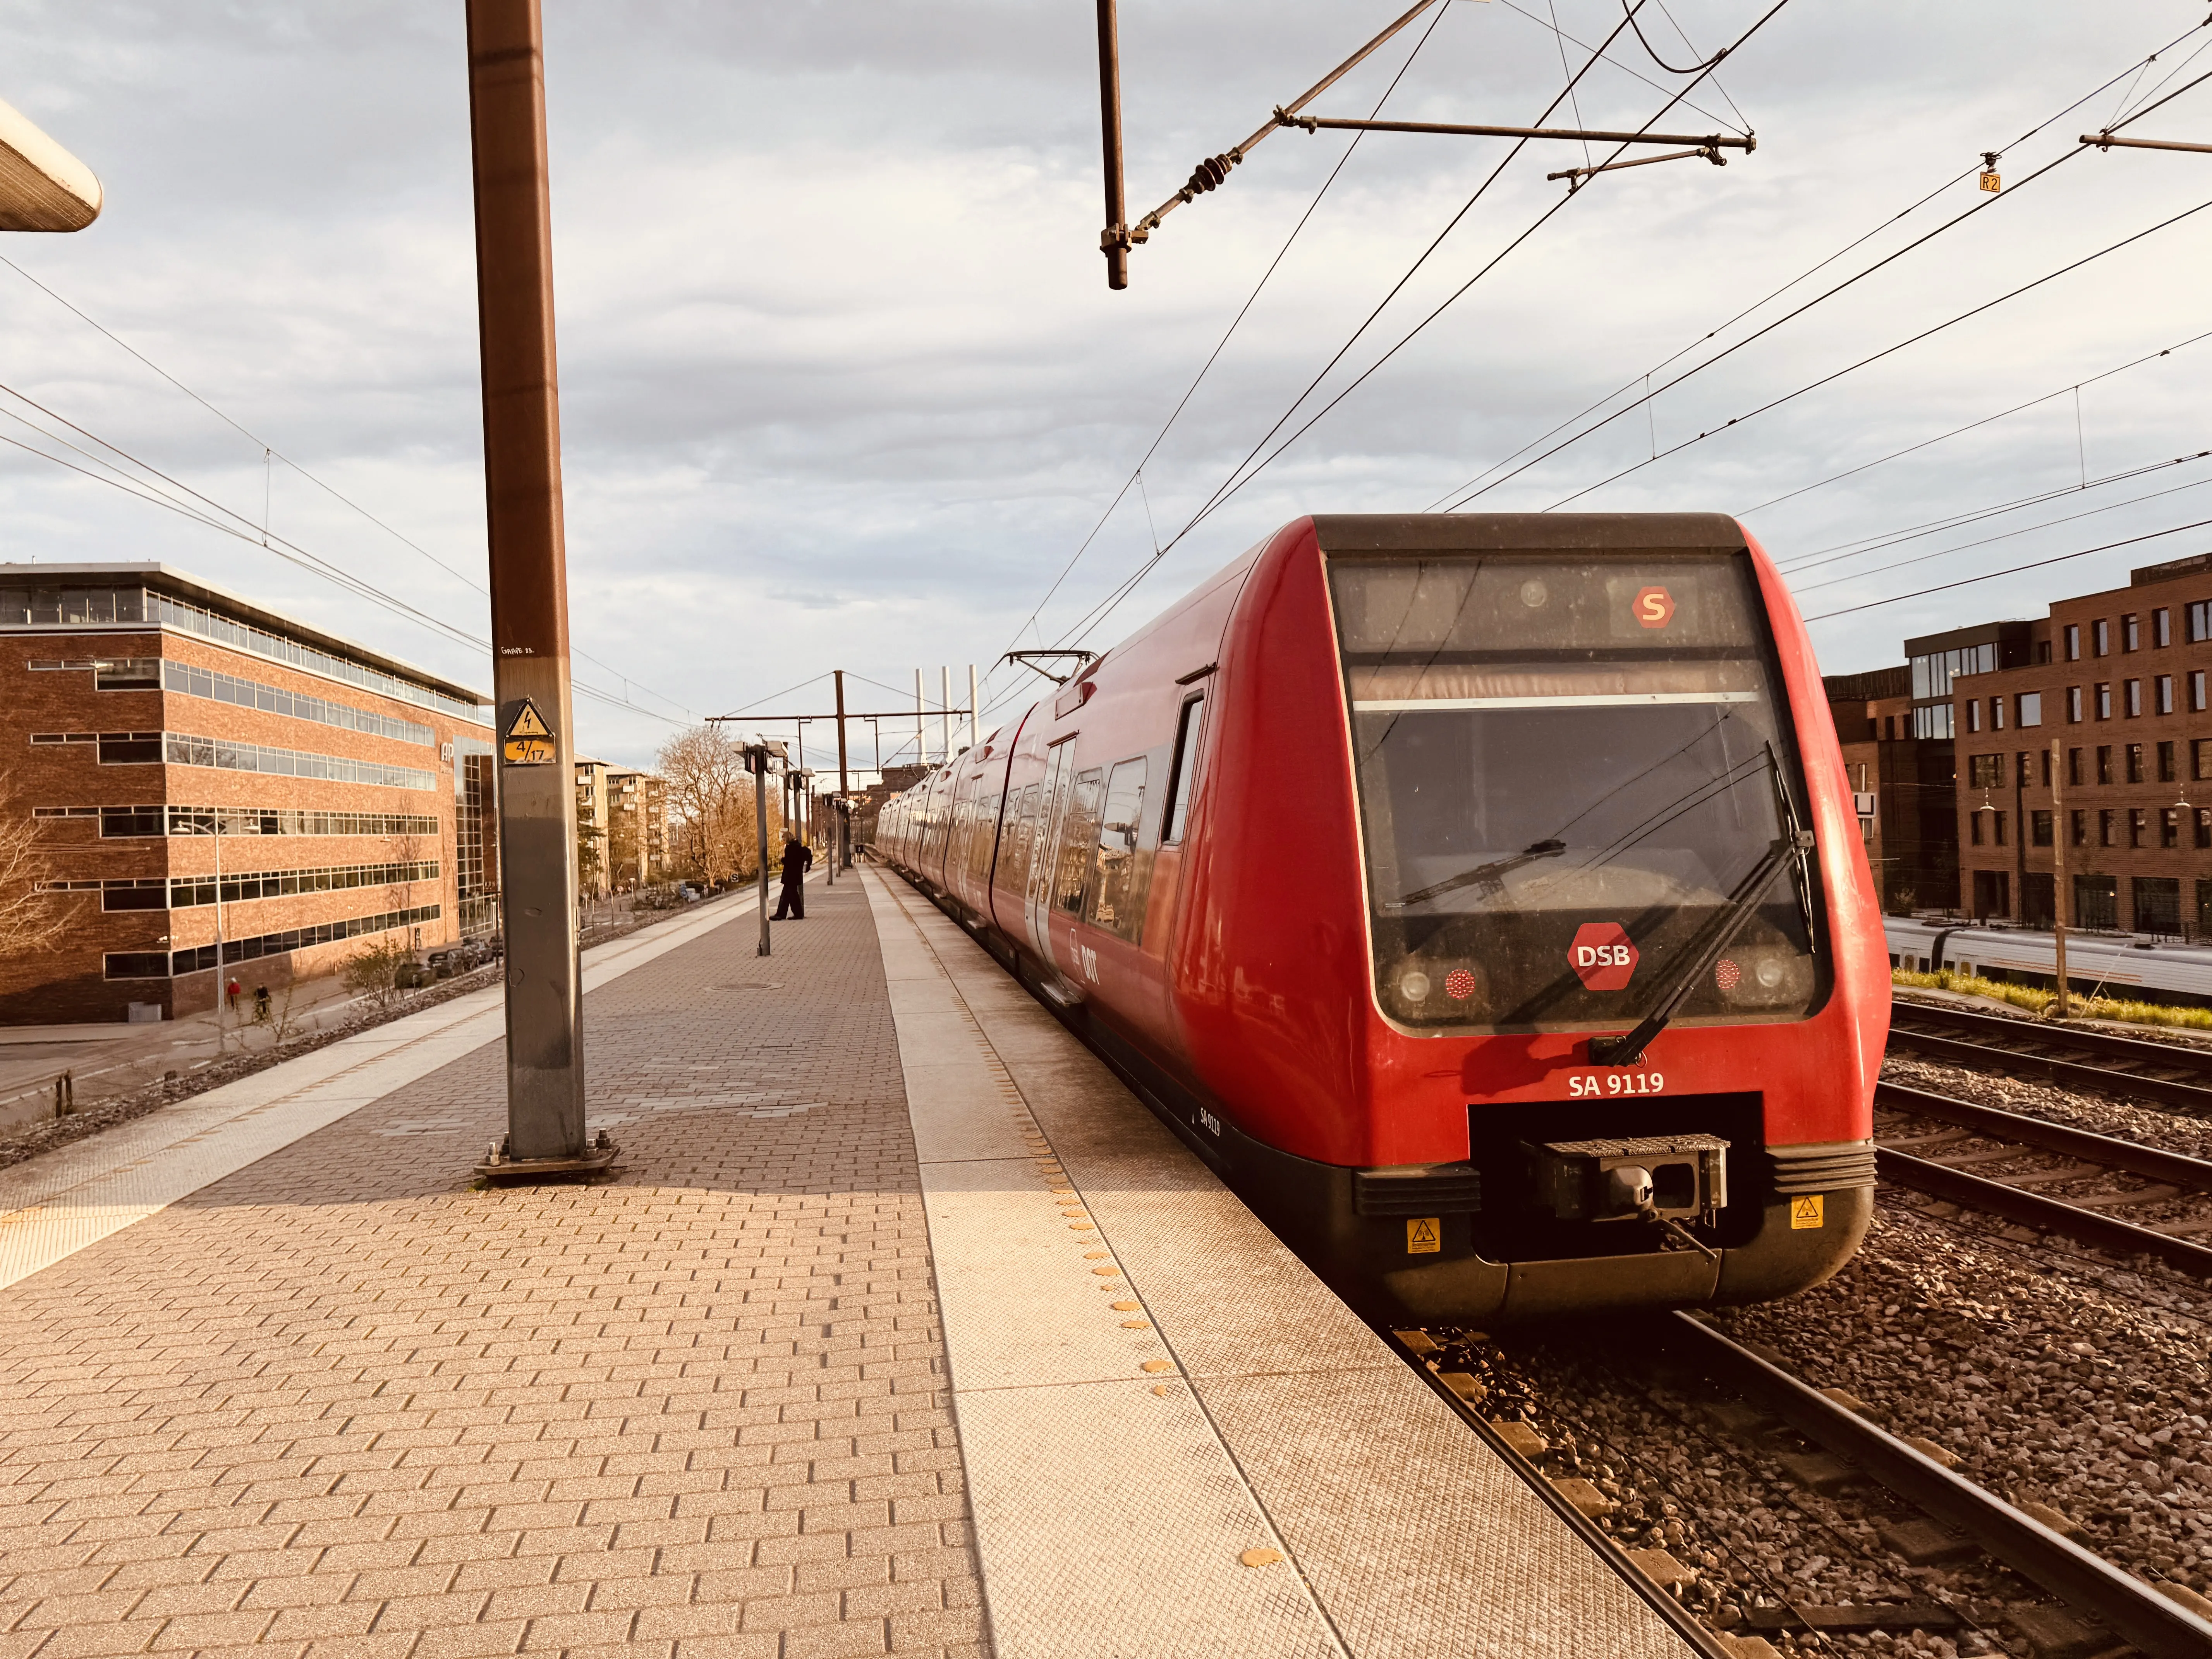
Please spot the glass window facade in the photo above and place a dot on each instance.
(34, 607)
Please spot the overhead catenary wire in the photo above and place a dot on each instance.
(2014, 570)
(270, 452)
(1875, 544)
(1246, 471)
(1872, 357)
(2008, 535)
(228, 521)
(1221, 344)
(1475, 486)
(1958, 431)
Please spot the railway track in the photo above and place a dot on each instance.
(2137, 1068)
(1965, 1515)
(2104, 1178)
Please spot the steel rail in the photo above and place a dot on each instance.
(2044, 1214)
(2132, 1610)
(1965, 1050)
(1602, 1543)
(2136, 1158)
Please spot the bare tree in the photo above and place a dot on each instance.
(31, 917)
(710, 797)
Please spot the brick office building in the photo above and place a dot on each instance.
(1902, 786)
(2118, 679)
(157, 729)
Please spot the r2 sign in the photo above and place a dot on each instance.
(1603, 955)
(1654, 607)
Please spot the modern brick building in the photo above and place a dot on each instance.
(1904, 785)
(159, 730)
(2118, 679)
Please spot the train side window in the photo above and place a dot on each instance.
(1072, 871)
(1184, 775)
(1117, 892)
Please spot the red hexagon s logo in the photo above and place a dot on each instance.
(1602, 955)
(1654, 607)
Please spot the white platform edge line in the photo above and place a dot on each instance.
(1259, 1506)
(413, 1057)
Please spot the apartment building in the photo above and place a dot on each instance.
(594, 822)
(637, 831)
(2091, 725)
(212, 784)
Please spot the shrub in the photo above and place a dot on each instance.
(373, 972)
(2037, 1000)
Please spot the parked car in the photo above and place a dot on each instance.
(413, 975)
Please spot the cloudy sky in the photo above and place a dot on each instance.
(843, 386)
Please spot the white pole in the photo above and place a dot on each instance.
(974, 707)
(920, 729)
(945, 712)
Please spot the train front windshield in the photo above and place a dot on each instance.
(1572, 770)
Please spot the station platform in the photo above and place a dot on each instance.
(904, 1328)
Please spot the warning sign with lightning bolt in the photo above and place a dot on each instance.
(529, 740)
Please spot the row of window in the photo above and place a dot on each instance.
(1988, 827)
(187, 679)
(67, 606)
(183, 749)
(2130, 633)
(2154, 907)
(127, 822)
(1988, 771)
(184, 893)
(2025, 708)
(164, 964)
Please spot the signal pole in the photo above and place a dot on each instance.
(2060, 830)
(528, 596)
(844, 778)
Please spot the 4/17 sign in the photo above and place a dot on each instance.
(528, 740)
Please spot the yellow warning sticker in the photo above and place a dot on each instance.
(529, 740)
(1808, 1211)
(1422, 1236)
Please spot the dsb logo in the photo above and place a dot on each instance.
(1602, 955)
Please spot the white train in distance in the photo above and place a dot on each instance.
(2156, 971)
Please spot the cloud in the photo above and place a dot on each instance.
(843, 384)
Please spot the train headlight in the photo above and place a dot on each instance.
(1769, 972)
(1413, 985)
(1534, 593)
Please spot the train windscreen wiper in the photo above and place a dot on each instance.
(1490, 877)
(1793, 846)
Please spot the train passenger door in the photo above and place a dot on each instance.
(1052, 815)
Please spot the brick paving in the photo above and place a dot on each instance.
(340, 1404)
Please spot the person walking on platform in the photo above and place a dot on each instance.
(797, 858)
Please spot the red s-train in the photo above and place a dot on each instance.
(1481, 896)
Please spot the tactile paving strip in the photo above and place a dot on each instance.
(1403, 1534)
(1111, 1521)
(53, 1207)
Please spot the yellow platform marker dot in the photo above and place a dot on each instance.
(1135, 1324)
(1260, 1557)
(1092, 1255)
(1126, 1307)
(1082, 1226)
(1158, 1365)
(1107, 1273)
(1161, 1389)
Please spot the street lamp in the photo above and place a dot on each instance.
(42, 185)
(758, 758)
